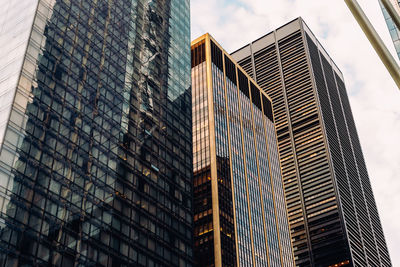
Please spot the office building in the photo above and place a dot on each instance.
(333, 216)
(394, 32)
(95, 133)
(240, 217)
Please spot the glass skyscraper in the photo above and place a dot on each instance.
(240, 216)
(333, 217)
(394, 32)
(95, 133)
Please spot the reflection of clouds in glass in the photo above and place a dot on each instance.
(14, 36)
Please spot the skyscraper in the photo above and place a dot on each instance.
(333, 217)
(394, 32)
(240, 217)
(95, 133)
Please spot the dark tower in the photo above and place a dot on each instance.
(332, 212)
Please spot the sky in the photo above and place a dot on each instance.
(374, 97)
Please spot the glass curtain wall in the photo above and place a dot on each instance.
(96, 160)
(246, 204)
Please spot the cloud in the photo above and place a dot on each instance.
(374, 97)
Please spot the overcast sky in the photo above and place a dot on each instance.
(374, 97)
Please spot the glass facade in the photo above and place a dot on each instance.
(95, 133)
(241, 198)
(333, 217)
(16, 18)
(394, 32)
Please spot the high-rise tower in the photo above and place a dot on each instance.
(95, 133)
(332, 212)
(240, 216)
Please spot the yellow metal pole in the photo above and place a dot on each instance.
(392, 12)
(375, 40)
